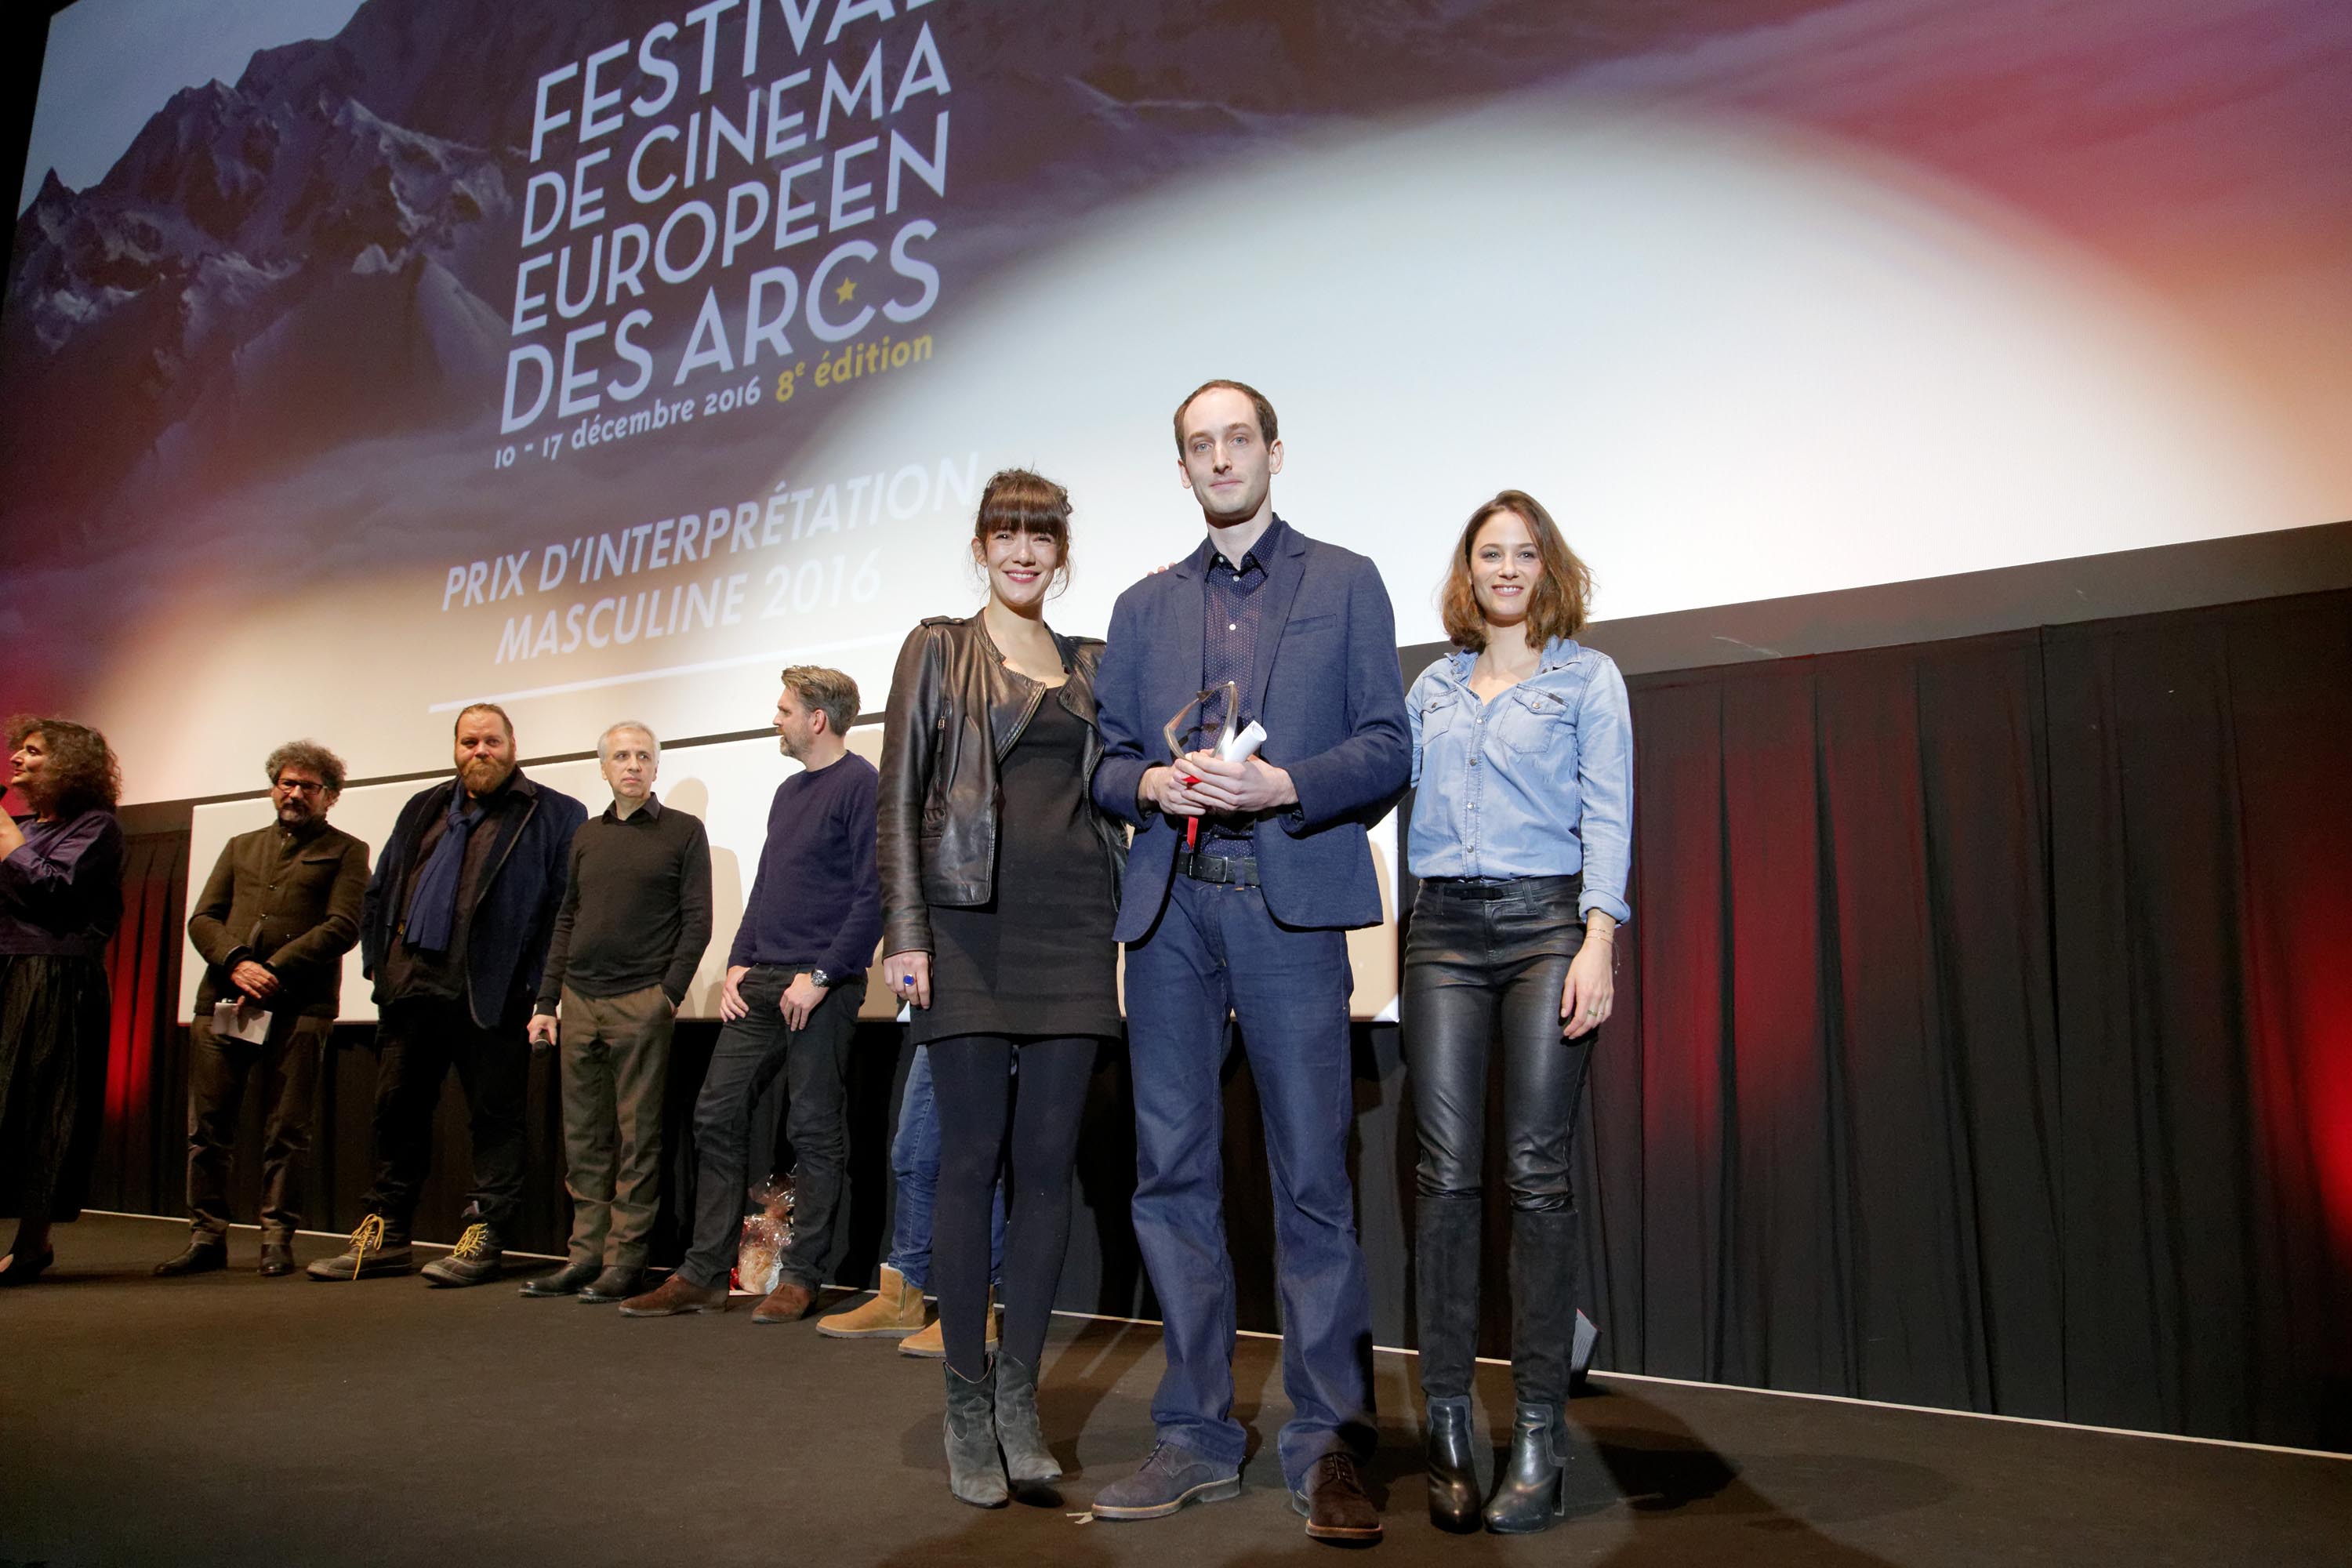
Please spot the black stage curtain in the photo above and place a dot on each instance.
(1987, 1031)
(2201, 774)
(1984, 1041)
(1826, 1120)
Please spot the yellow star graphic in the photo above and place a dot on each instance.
(846, 293)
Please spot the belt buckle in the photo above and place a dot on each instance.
(1217, 870)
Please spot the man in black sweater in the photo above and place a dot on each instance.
(634, 920)
(794, 979)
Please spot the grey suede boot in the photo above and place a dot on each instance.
(975, 1474)
(1026, 1458)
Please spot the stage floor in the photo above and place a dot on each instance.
(229, 1419)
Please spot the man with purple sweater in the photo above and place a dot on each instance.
(794, 979)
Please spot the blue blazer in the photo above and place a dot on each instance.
(1325, 686)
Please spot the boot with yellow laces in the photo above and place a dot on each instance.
(477, 1258)
(375, 1249)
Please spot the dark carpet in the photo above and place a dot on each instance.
(229, 1419)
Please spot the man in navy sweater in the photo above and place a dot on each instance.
(1247, 915)
(794, 979)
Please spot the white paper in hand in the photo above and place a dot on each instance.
(241, 1020)
(1234, 747)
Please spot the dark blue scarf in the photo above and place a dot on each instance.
(432, 906)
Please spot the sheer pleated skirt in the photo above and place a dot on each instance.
(53, 1037)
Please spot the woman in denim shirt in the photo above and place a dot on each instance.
(1522, 832)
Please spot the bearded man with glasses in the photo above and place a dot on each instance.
(276, 916)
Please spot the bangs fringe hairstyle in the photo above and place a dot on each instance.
(82, 770)
(1561, 602)
(1029, 502)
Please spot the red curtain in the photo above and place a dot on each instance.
(142, 1162)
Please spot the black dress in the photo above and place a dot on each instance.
(1037, 958)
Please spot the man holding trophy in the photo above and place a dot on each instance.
(1276, 654)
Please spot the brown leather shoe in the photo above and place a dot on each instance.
(677, 1294)
(1335, 1504)
(788, 1303)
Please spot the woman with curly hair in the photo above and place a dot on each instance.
(60, 901)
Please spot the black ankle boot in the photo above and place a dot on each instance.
(1532, 1492)
(975, 1474)
(1453, 1479)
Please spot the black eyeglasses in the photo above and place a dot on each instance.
(301, 786)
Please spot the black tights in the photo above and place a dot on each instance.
(979, 1094)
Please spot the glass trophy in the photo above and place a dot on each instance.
(1203, 724)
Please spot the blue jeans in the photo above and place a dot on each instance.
(915, 1166)
(1216, 949)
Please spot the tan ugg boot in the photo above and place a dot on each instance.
(894, 1312)
(931, 1343)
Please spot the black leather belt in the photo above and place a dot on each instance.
(1486, 890)
(1226, 870)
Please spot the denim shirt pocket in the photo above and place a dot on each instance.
(1438, 713)
(1532, 720)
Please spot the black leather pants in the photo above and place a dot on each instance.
(1485, 965)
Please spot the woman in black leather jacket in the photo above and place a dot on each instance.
(999, 886)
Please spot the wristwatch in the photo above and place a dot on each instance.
(824, 980)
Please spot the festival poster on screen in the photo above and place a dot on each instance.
(600, 356)
(510, 334)
(740, 239)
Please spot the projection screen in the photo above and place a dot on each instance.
(599, 358)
